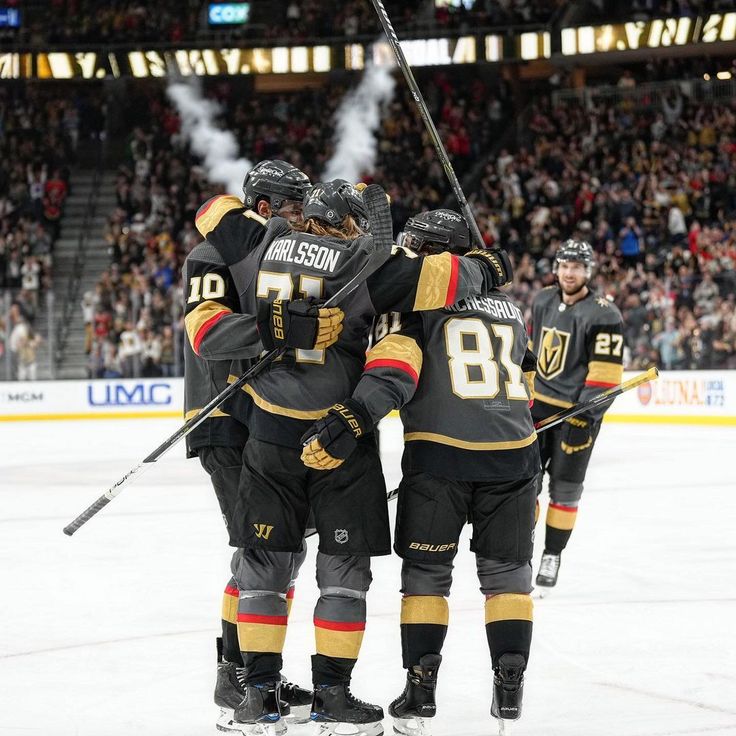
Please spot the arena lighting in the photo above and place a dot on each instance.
(654, 34)
(494, 48)
(723, 75)
(421, 52)
(534, 45)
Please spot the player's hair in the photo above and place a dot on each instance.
(348, 230)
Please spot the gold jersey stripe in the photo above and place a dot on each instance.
(398, 347)
(559, 519)
(282, 411)
(261, 637)
(424, 609)
(434, 281)
(344, 644)
(509, 607)
(600, 372)
(199, 315)
(230, 608)
(463, 445)
(211, 217)
(193, 413)
(552, 401)
(529, 377)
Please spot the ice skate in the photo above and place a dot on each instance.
(258, 713)
(414, 708)
(298, 701)
(337, 711)
(549, 569)
(508, 689)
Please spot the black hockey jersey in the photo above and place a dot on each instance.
(579, 349)
(462, 377)
(294, 391)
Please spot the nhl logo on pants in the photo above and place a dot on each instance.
(341, 536)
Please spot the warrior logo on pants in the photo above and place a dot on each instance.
(263, 531)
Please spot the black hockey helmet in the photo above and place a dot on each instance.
(436, 231)
(275, 180)
(332, 201)
(579, 251)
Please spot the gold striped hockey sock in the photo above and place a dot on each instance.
(230, 645)
(560, 523)
(262, 620)
(509, 624)
(424, 620)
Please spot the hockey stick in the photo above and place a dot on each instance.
(379, 251)
(608, 395)
(428, 122)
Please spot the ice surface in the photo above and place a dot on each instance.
(111, 632)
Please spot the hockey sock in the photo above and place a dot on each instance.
(290, 598)
(424, 621)
(560, 522)
(230, 646)
(509, 624)
(262, 620)
(339, 625)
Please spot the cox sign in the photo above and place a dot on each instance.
(221, 14)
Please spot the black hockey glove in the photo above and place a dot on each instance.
(330, 440)
(299, 324)
(576, 435)
(498, 265)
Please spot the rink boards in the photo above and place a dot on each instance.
(677, 397)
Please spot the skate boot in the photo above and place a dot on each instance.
(548, 570)
(416, 704)
(508, 688)
(298, 702)
(336, 710)
(258, 713)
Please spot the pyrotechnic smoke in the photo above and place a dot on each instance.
(356, 123)
(217, 148)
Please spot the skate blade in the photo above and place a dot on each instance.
(541, 592)
(299, 714)
(413, 726)
(349, 729)
(227, 724)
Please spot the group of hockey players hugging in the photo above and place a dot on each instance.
(430, 332)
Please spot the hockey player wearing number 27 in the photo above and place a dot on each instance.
(276, 492)
(577, 336)
(461, 376)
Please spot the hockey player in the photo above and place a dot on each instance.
(216, 338)
(462, 374)
(349, 506)
(577, 336)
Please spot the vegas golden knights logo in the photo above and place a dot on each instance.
(552, 352)
(263, 531)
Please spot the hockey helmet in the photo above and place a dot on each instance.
(436, 231)
(332, 201)
(274, 180)
(578, 251)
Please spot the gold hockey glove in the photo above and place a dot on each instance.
(330, 440)
(498, 266)
(301, 324)
(576, 435)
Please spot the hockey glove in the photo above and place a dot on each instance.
(498, 265)
(330, 440)
(575, 436)
(298, 324)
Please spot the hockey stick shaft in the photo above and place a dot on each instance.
(428, 122)
(379, 255)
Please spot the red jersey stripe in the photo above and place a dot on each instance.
(452, 285)
(203, 210)
(206, 327)
(389, 363)
(600, 384)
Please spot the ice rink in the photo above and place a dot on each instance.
(111, 633)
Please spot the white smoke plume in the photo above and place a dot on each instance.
(217, 148)
(356, 123)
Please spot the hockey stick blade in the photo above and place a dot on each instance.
(379, 216)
